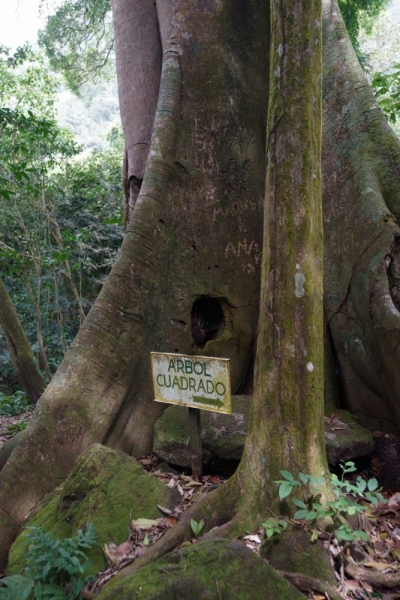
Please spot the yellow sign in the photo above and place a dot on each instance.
(194, 381)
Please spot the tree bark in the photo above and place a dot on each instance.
(19, 347)
(286, 422)
(361, 167)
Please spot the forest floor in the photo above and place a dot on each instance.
(364, 569)
(9, 426)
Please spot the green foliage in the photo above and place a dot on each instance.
(18, 426)
(61, 214)
(31, 141)
(355, 11)
(274, 526)
(196, 526)
(386, 88)
(55, 569)
(15, 404)
(79, 41)
(346, 495)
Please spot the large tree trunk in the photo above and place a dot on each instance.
(187, 279)
(361, 170)
(286, 424)
(19, 347)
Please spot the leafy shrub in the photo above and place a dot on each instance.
(386, 88)
(346, 494)
(55, 569)
(15, 404)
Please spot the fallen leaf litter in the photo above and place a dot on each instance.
(364, 569)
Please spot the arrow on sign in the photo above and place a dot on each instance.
(212, 401)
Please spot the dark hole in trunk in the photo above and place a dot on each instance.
(207, 318)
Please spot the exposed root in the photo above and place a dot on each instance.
(227, 530)
(386, 580)
(306, 583)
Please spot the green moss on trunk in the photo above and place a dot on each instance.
(286, 423)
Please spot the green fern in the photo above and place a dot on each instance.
(55, 569)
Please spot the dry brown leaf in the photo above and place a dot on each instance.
(352, 584)
(143, 523)
(379, 566)
(171, 521)
(164, 510)
(110, 551)
(123, 549)
(253, 538)
(215, 479)
(366, 586)
(394, 501)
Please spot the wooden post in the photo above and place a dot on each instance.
(195, 443)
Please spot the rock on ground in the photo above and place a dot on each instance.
(106, 488)
(293, 551)
(223, 436)
(211, 569)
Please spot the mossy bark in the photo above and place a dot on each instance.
(196, 230)
(19, 347)
(286, 422)
(106, 488)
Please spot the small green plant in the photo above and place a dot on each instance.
(196, 526)
(55, 569)
(274, 526)
(18, 426)
(15, 404)
(346, 495)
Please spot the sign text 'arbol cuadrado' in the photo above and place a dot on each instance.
(194, 381)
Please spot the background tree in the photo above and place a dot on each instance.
(19, 347)
(79, 41)
(356, 11)
(61, 215)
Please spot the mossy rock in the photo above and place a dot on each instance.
(293, 551)
(223, 436)
(106, 488)
(348, 443)
(212, 569)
